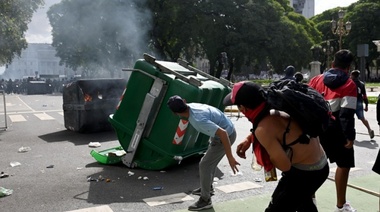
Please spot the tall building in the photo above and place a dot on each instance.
(304, 7)
(37, 59)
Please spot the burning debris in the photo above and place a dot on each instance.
(88, 103)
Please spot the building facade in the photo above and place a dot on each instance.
(37, 59)
(304, 7)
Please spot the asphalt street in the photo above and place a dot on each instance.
(57, 172)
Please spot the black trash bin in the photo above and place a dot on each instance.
(87, 103)
(38, 87)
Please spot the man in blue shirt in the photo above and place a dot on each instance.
(214, 123)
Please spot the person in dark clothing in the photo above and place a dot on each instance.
(298, 76)
(378, 111)
(289, 73)
(376, 166)
(362, 98)
(338, 140)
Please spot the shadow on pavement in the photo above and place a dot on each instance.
(367, 144)
(123, 184)
(78, 138)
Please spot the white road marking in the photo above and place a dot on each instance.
(25, 104)
(17, 118)
(60, 113)
(238, 187)
(168, 199)
(43, 116)
(103, 208)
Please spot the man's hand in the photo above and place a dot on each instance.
(233, 164)
(349, 144)
(242, 148)
(366, 108)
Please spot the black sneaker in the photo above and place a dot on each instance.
(201, 204)
(371, 134)
(198, 191)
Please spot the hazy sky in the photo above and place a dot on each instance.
(40, 30)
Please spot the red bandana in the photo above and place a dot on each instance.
(262, 155)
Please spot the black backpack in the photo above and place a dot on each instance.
(304, 104)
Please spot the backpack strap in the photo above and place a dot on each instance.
(287, 129)
(303, 139)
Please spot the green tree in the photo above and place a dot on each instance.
(365, 18)
(294, 37)
(253, 33)
(174, 32)
(15, 16)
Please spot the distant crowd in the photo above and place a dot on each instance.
(20, 86)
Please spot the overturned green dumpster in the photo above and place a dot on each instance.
(150, 135)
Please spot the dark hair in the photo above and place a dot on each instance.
(176, 104)
(343, 59)
(298, 76)
(355, 73)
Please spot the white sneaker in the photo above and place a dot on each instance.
(315, 202)
(346, 208)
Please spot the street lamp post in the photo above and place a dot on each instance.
(328, 50)
(340, 28)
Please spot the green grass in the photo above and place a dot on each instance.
(372, 99)
(372, 84)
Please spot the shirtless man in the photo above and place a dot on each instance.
(302, 160)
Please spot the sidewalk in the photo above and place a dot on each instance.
(363, 202)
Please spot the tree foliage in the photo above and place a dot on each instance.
(365, 18)
(252, 33)
(98, 34)
(15, 16)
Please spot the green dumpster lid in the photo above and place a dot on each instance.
(172, 66)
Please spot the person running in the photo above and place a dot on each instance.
(279, 141)
(338, 140)
(214, 123)
(362, 98)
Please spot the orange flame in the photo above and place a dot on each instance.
(87, 98)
